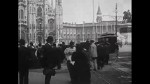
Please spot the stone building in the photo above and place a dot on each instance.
(88, 31)
(85, 31)
(22, 19)
(39, 19)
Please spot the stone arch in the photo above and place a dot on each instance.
(21, 12)
(51, 24)
(39, 12)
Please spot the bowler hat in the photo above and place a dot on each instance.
(49, 39)
(22, 42)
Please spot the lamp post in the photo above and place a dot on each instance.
(116, 20)
(40, 33)
(59, 26)
(83, 31)
(93, 22)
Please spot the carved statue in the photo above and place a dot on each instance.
(127, 16)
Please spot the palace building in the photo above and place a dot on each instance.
(83, 32)
(89, 31)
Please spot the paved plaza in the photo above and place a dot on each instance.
(118, 72)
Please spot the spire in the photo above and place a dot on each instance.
(99, 11)
(99, 15)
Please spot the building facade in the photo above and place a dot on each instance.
(85, 31)
(22, 19)
(92, 31)
(39, 19)
(88, 31)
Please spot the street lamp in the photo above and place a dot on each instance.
(116, 20)
(83, 31)
(40, 33)
(93, 20)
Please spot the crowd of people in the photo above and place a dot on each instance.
(81, 58)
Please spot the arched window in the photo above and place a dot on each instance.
(109, 29)
(22, 14)
(39, 11)
(19, 14)
(34, 36)
(32, 9)
(104, 29)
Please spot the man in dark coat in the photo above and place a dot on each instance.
(107, 47)
(61, 55)
(32, 55)
(101, 52)
(39, 53)
(50, 59)
(23, 60)
(81, 66)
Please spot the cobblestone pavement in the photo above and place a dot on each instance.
(120, 71)
(116, 72)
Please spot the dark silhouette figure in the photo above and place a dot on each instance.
(39, 54)
(81, 66)
(34, 59)
(101, 52)
(50, 58)
(107, 47)
(23, 55)
(117, 50)
(87, 45)
(61, 55)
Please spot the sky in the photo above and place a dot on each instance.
(77, 11)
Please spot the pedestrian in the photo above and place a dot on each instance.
(101, 52)
(107, 47)
(117, 50)
(34, 59)
(39, 54)
(63, 46)
(68, 53)
(24, 62)
(49, 60)
(93, 53)
(61, 55)
(81, 66)
(87, 45)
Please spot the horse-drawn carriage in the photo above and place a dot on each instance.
(111, 39)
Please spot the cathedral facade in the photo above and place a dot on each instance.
(43, 18)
